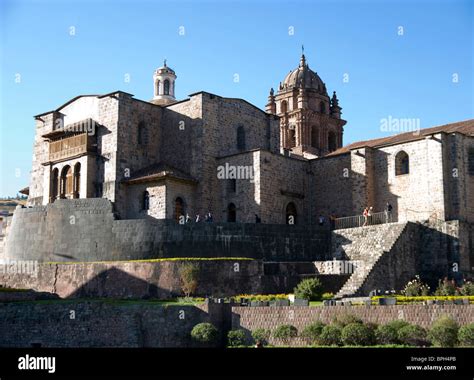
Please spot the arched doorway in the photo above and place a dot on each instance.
(54, 184)
(66, 182)
(178, 208)
(77, 180)
(291, 214)
(231, 213)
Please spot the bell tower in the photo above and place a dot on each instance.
(164, 79)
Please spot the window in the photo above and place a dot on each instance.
(283, 106)
(66, 182)
(291, 213)
(322, 107)
(146, 201)
(402, 163)
(332, 141)
(291, 137)
(314, 136)
(231, 213)
(142, 134)
(240, 138)
(166, 87)
(470, 161)
(232, 185)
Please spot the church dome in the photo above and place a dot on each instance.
(164, 69)
(303, 77)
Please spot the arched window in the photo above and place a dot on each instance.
(77, 180)
(402, 163)
(240, 138)
(283, 106)
(291, 137)
(332, 141)
(166, 87)
(66, 182)
(54, 184)
(142, 134)
(314, 136)
(291, 213)
(146, 201)
(178, 208)
(322, 107)
(231, 213)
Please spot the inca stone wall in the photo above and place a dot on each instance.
(102, 324)
(251, 318)
(85, 230)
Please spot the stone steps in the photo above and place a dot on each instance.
(367, 245)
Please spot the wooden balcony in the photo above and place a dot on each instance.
(70, 147)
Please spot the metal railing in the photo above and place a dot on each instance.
(360, 221)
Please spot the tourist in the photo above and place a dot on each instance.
(388, 213)
(369, 214)
(209, 217)
(321, 220)
(332, 221)
(257, 219)
(198, 218)
(365, 215)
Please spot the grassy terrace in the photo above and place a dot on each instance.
(154, 260)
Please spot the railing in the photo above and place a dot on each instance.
(68, 147)
(360, 220)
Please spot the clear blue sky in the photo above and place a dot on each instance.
(408, 76)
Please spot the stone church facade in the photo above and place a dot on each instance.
(168, 158)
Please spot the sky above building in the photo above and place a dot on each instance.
(405, 61)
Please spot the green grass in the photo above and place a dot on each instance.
(155, 260)
(115, 302)
(315, 303)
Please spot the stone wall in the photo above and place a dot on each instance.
(251, 318)
(85, 230)
(102, 324)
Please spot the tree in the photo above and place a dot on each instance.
(205, 333)
(189, 274)
(310, 289)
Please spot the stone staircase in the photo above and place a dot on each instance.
(364, 246)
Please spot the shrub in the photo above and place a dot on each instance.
(412, 335)
(285, 333)
(388, 333)
(328, 296)
(466, 335)
(346, 319)
(309, 289)
(205, 333)
(331, 336)
(467, 289)
(312, 332)
(357, 334)
(189, 273)
(236, 338)
(446, 288)
(261, 335)
(416, 288)
(444, 332)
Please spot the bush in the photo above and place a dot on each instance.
(388, 333)
(357, 334)
(309, 289)
(416, 288)
(312, 332)
(205, 333)
(331, 336)
(444, 332)
(467, 289)
(236, 338)
(412, 335)
(261, 335)
(446, 288)
(189, 273)
(285, 333)
(328, 296)
(346, 319)
(466, 335)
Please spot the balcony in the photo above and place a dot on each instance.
(69, 147)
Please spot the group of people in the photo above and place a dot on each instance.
(207, 218)
(368, 212)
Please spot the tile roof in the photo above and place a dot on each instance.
(158, 171)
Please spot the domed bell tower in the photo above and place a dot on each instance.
(164, 79)
(310, 121)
